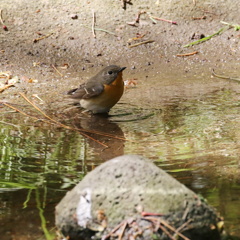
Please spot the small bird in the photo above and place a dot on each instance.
(101, 92)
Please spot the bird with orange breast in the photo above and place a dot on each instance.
(101, 92)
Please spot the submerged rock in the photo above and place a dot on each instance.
(143, 201)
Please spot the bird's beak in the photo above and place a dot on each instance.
(121, 69)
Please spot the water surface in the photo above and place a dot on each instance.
(192, 135)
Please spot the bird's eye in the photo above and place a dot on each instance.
(110, 72)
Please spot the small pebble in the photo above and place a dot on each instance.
(74, 16)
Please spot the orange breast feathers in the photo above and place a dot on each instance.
(114, 91)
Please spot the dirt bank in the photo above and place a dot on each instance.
(70, 41)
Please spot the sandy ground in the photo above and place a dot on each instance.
(68, 42)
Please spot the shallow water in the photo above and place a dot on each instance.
(195, 139)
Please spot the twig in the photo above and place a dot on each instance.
(166, 232)
(56, 70)
(70, 128)
(36, 96)
(235, 26)
(186, 54)
(104, 30)
(206, 38)
(40, 38)
(151, 18)
(132, 24)
(182, 227)
(206, 11)
(138, 16)
(124, 3)
(174, 230)
(138, 44)
(166, 225)
(136, 38)
(122, 230)
(7, 75)
(101, 134)
(137, 19)
(58, 123)
(185, 213)
(157, 223)
(93, 139)
(135, 119)
(99, 29)
(6, 87)
(11, 124)
(164, 20)
(199, 18)
(144, 214)
(52, 121)
(49, 122)
(112, 232)
(93, 23)
(1, 20)
(17, 110)
(224, 77)
(44, 114)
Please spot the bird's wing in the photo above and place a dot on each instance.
(86, 90)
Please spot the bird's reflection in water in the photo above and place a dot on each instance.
(108, 139)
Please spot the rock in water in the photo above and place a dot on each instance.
(132, 191)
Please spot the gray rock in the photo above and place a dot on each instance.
(120, 189)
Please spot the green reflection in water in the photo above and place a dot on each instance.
(196, 140)
(41, 156)
(27, 199)
(40, 206)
